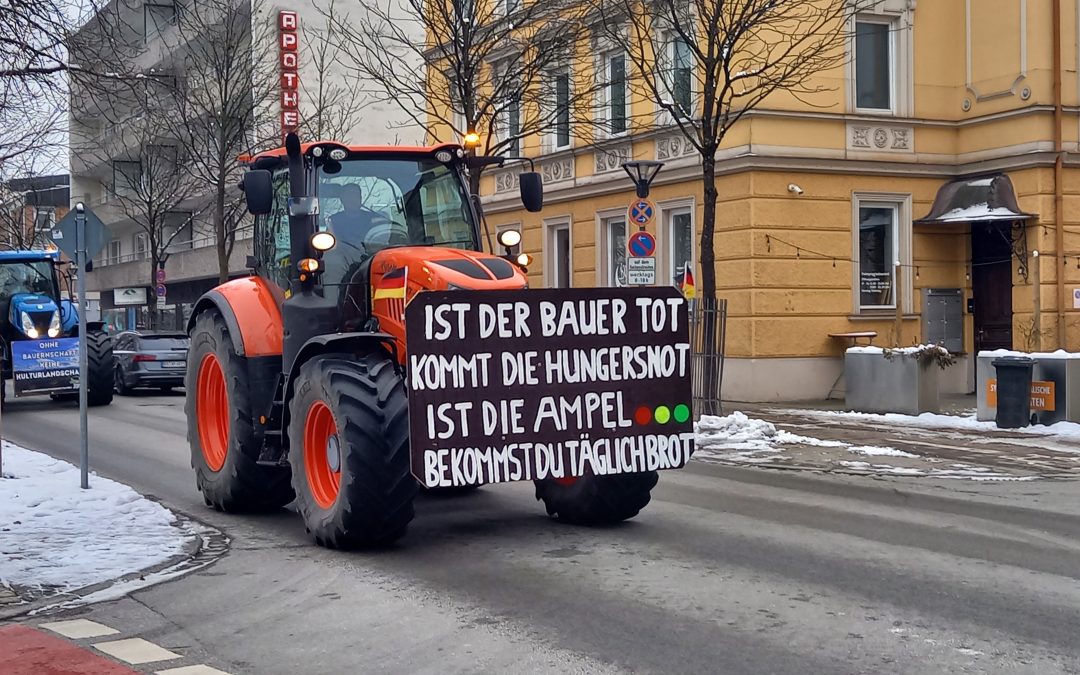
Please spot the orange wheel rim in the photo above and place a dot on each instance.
(212, 411)
(322, 454)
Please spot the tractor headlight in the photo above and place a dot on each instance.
(54, 324)
(322, 241)
(28, 325)
(509, 238)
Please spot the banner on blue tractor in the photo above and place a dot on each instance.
(45, 366)
(547, 383)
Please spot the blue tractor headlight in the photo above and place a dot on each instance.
(28, 325)
(54, 324)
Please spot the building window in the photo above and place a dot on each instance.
(44, 219)
(561, 90)
(142, 246)
(180, 227)
(680, 237)
(681, 75)
(508, 7)
(157, 18)
(127, 178)
(874, 65)
(113, 252)
(559, 256)
(508, 128)
(878, 250)
(614, 231)
(616, 93)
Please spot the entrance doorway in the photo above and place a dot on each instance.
(991, 285)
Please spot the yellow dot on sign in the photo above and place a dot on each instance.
(662, 414)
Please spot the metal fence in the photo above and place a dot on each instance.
(708, 337)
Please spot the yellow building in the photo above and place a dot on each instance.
(965, 103)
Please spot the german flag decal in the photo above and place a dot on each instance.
(392, 285)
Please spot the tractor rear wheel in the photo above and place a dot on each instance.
(224, 450)
(349, 450)
(596, 500)
(99, 368)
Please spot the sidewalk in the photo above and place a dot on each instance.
(821, 436)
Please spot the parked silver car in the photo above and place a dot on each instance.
(149, 359)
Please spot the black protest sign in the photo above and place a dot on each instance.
(554, 383)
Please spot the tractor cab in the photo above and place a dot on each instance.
(349, 234)
(30, 301)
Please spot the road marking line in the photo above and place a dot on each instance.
(79, 629)
(192, 670)
(136, 651)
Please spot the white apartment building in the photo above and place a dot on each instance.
(108, 151)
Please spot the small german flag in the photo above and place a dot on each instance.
(391, 291)
(688, 283)
(392, 285)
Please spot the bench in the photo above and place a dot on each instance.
(867, 335)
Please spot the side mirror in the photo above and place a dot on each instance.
(258, 191)
(532, 191)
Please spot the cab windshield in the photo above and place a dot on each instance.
(26, 276)
(370, 205)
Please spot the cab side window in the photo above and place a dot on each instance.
(272, 241)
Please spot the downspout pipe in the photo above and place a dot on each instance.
(1059, 216)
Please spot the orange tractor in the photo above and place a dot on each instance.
(295, 379)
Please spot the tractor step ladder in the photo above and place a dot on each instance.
(272, 452)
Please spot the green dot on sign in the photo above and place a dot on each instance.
(682, 413)
(662, 414)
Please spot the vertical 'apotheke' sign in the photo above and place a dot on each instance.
(547, 383)
(288, 41)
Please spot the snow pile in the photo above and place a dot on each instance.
(739, 438)
(54, 535)
(907, 351)
(878, 451)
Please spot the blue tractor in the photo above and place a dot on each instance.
(31, 308)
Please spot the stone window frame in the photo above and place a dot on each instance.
(604, 219)
(550, 226)
(904, 230)
(897, 14)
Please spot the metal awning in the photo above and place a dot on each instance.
(975, 199)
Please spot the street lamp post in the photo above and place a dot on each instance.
(642, 172)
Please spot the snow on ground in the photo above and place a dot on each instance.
(739, 438)
(56, 536)
(1061, 430)
(878, 451)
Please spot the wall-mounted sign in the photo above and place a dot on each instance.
(289, 43)
(129, 296)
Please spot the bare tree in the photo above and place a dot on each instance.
(458, 66)
(220, 98)
(153, 189)
(329, 107)
(705, 64)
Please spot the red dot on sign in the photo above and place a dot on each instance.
(643, 415)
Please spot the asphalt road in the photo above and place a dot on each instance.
(729, 570)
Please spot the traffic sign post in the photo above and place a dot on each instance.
(641, 245)
(641, 212)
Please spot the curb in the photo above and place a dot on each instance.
(846, 471)
(204, 546)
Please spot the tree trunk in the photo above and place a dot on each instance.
(709, 357)
(708, 225)
(151, 300)
(219, 228)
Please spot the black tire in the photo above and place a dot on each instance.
(240, 484)
(597, 500)
(119, 384)
(99, 366)
(374, 500)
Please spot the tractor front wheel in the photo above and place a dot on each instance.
(99, 368)
(224, 450)
(596, 500)
(349, 451)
